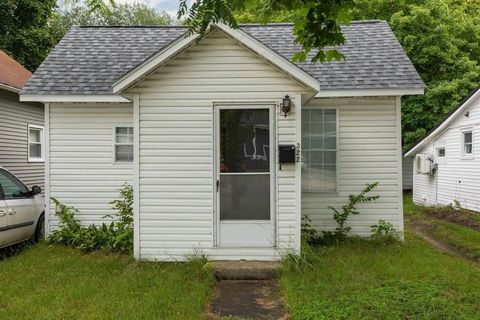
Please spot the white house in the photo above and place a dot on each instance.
(447, 160)
(200, 128)
(21, 126)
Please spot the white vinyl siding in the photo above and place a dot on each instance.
(457, 177)
(407, 172)
(82, 173)
(176, 148)
(15, 117)
(369, 151)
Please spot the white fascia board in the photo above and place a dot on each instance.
(443, 125)
(72, 98)
(9, 88)
(271, 56)
(152, 63)
(326, 93)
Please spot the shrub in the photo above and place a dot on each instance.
(339, 235)
(115, 237)
(384, 230)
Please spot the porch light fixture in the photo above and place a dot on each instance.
(286, 105)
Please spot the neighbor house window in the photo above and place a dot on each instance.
(319, 145)
(123, 144)
(467, 143)
(35, 143)
(441, 152)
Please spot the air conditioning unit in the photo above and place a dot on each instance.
(424, 163)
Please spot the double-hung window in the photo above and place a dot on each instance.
(319, 145)
(123, 144)
(35, 144)
(467, 143)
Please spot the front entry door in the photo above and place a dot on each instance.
(244, 177)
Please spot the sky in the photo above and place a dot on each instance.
(170, 6)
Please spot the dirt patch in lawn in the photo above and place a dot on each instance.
(423, 230)
(463, 217)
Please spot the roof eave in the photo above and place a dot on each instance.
(377, 92)
(80, 98)
(9, 88)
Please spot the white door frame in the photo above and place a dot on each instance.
(271, 106)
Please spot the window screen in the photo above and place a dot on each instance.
(319, 145)
(124, 144)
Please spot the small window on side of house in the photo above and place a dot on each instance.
(35, 144)
(467, 141)
(441, 152)
(123, 144)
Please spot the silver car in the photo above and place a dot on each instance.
(21, 211)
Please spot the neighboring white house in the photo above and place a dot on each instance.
(200, 129)
(21, 126)
(447, 160)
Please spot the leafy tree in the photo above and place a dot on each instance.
(317, 22)
(442, 38)
(119, 15)
(23, 32)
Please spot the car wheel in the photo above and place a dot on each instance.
(40, 230)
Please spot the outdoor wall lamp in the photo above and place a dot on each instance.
(286, 105)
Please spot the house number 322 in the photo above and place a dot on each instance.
(299, 153)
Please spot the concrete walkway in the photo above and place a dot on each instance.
(247, 290)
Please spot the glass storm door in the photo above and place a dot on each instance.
(244, 177)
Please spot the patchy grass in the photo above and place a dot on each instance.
(56, 282)
(456, 228)
(366, 280)
(372, 280)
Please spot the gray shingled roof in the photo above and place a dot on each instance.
(88, 60)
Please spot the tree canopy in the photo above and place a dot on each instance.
(23, 30)
(442, 38)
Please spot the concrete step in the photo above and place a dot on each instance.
(246, 270)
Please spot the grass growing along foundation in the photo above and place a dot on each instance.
(57, 282)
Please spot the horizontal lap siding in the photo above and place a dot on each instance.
(456, 178)
(368, 152)
(407, 172)
(82, 171)
(176, 144)
(15, 117)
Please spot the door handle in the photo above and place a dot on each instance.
(3, 213)
(11, 212)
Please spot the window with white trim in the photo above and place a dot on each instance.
(319, 145)
(35, 144)
(123, 144)
(467, 141)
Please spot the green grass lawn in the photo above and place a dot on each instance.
(55, 282)
(458, 236)
(410, 280)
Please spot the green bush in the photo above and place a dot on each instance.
(117, 236)
(339, 235)
(384, 231)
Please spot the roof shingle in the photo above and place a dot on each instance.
(88, 60)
